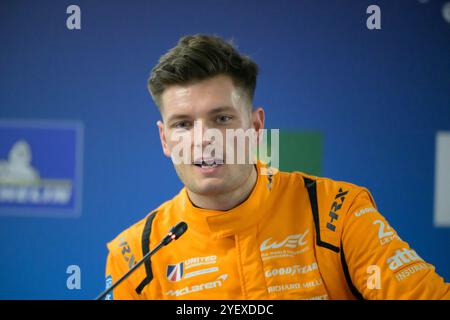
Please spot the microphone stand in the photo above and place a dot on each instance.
(173, 234)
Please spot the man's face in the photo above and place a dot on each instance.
(191, 110)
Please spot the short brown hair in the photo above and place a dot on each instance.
(198, 57)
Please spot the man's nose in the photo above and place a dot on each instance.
(200, 139)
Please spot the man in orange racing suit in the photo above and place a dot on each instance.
(254, 232)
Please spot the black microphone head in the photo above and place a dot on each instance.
(178, 230)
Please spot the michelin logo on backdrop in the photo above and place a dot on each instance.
(20, 182)
(17, 169)
(40, 168)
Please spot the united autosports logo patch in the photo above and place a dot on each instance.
(175, 272)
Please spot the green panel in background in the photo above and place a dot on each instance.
(300, 151)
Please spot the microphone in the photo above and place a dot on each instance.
(174, 233)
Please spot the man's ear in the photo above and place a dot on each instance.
(258, 121)
(162, 137)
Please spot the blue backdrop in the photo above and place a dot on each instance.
(378, 97)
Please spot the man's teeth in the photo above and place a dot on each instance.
(206, 165)
(212, 165)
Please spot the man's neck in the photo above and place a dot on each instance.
(225, 201)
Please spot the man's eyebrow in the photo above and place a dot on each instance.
(221, 109)
(178, 117)
(213, 111)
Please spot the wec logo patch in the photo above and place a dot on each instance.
(291, 241)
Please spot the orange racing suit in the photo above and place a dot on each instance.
(296, 236)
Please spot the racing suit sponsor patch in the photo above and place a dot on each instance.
(199, 287)
(290, 246)
(109, 296)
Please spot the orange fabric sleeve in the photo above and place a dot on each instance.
(116, 267)
(381, 265)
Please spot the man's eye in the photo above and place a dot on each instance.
(182, 125)
(224, 119)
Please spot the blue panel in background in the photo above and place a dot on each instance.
(40, 168)
(378, 98)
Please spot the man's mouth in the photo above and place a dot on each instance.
(208, 163)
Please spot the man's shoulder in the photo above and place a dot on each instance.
(331, 195)
(330, 201)
(323, 185)
(332, 186)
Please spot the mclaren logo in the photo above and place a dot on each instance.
(199, 287)
(291, 241)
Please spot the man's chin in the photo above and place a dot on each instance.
(209, 187)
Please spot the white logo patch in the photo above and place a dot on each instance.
(199, 287)
(291, 241)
